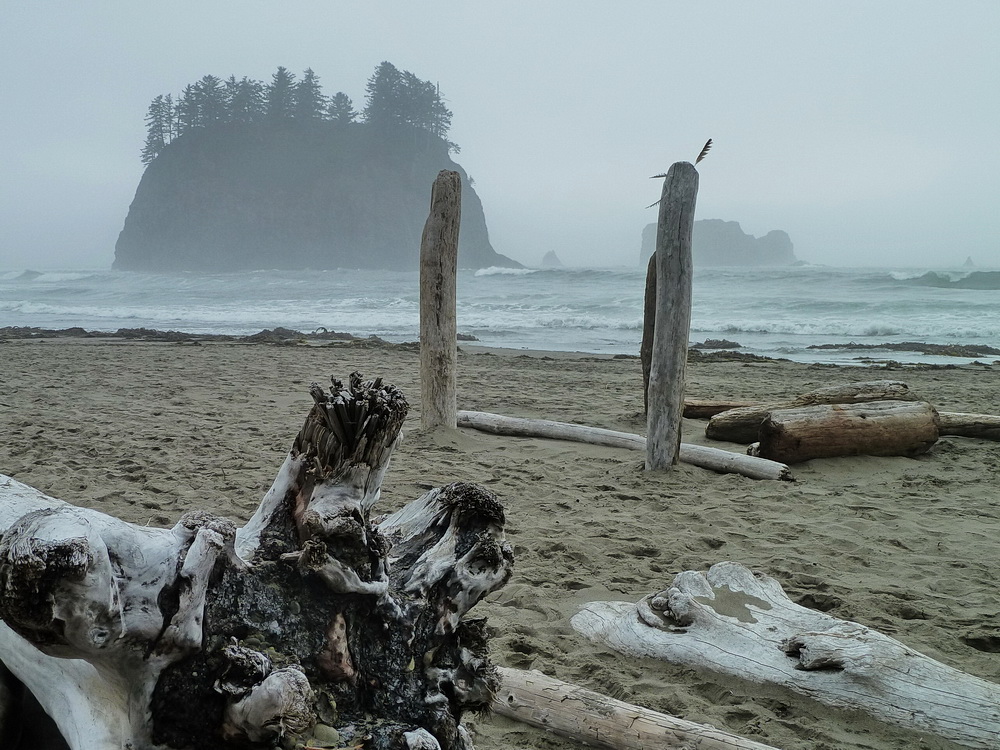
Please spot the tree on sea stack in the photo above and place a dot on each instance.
(438, 288)
(672, 315)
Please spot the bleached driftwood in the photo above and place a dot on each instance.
(724, 462)
(982, 426)
(734, 621)
(672, 322)
(875, 428)
(438, 322)
(312, 619)
(598, 720)
(741, 425)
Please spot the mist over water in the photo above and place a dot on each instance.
(774, 312)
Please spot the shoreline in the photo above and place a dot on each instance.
(700, 351)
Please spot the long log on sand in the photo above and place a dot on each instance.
(875, 428)
(601, 721)
(740, 623)
(982, 426)
(311, 625)
(724, 462)
(741, 425)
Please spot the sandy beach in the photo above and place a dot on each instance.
(148, 430)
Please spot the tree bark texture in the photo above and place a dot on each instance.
(737, 622)
(673, 316)
(438, 322)
(721, 461)
(742, 425)
(875, 428)
(597, 720)
(311, 622)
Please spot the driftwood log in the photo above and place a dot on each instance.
(737, 622)
(597, 720)
(672, 321)
(741, 425)
(960, 424)
(312, 621)
(876, 428)
(721, 461)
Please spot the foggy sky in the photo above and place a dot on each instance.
(867, 130)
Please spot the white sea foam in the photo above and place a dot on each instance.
(777, 311)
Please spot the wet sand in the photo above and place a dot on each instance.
(147, 430)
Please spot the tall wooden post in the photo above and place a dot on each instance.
(665, 393)
(438, 327)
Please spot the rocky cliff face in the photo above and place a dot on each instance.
(724, 243)
(294, 195)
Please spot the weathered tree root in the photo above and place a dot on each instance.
(310, 621)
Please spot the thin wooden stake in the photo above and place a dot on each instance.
(672, 326)
(438, 326)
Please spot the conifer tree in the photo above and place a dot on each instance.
(187, 111)
(158, 119)
(341, 109)
(308, 97)
(280, 95)
(210, 97)
(245, 99)
(383, 96)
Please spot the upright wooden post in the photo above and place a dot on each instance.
(665, 394)
(648, 325)
(438, 327)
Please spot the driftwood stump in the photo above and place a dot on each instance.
(438, 316)
(313, 621)
(672, 319)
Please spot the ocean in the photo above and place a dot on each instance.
(775, 312)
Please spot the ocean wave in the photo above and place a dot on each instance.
(501, 271)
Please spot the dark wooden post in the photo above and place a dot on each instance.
(648, 325)
(665, 393)
(438, 326)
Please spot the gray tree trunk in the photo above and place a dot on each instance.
(673, 316)
(438, 325)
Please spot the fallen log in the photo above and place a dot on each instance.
(876, 428)
(982, 426)
(700, 408)
(741, 425)
(310, 622)
(724, 462)
(740, 623)
(597, 720)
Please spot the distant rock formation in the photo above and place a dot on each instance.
(551, 260)
(724, 243)
(295, 195)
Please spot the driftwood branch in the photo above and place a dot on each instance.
(736, 622)
(721, 461)
(598, 720)
(312, 620)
